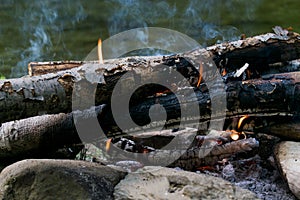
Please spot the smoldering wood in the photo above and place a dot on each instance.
(273, 95)
(208, 153)
(193, 157)
(259, 51)
(52, 93)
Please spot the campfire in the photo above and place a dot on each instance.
(258, 76)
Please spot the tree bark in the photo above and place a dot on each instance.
(273, 95)
(259, 51)
(42, 136)
(40, 68)
(52, 93)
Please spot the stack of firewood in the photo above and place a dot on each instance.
(258, 75)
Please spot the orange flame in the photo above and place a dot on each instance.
(200, 74)
(241, 121)
(107, 146)
(234, 135)
(224, 72)
(100, 57)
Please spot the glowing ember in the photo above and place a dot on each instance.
(234, 135)
(241, 121)
(100, 57)
(200, 74)
(107, 146)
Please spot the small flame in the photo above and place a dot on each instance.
(241, 121)
(224, 72)
(100, 56)
(234, 135)
(248, 73)
(107, 146)
(200, 74)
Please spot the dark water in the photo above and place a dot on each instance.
(43, 30)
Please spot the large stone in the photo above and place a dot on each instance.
(288, 158)
(166, 183)
(58, 179)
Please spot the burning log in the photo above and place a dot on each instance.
(273, 95)
(259, 51)
(198, 154)
(268, 95)
(52, 93)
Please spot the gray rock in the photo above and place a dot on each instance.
(165, 183)
(288, 158)
(58, 179)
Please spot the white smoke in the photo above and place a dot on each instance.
(199, 19)
(129, 14)
(46, 21)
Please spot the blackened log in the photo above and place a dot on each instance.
(258, 51)
(188, 152)
(273, 95)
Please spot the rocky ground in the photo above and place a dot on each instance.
(261, 177)
(240, 177)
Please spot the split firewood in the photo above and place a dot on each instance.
(39, 68)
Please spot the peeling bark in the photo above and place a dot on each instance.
(259, 51)
(52, 93)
